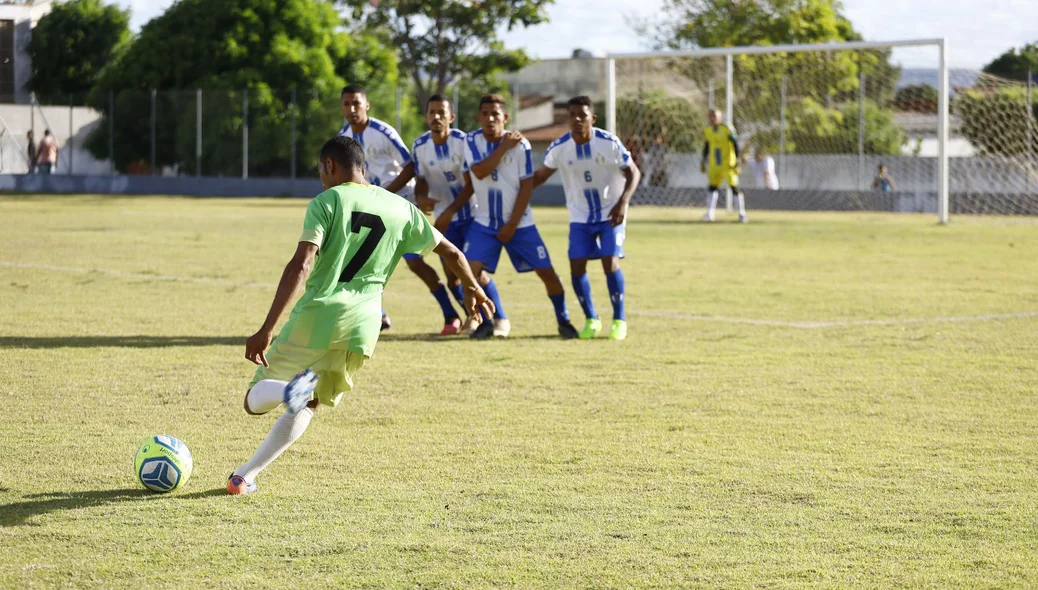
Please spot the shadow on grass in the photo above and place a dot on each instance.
(437, 338)
(17, 513)
(118, 341)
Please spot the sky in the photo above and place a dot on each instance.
(976, 33)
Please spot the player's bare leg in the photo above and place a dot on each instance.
(617, 295)
(557, 294)
(582, 288)
(451, 319)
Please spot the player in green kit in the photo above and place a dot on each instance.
(354, 234)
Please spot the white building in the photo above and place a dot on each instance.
(17, 19)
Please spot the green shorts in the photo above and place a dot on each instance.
(334, 368)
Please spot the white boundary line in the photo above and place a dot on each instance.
(813, 325)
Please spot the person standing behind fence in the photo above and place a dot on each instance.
(883, 181)
(30, 151)
(764, 171)
(47, 157)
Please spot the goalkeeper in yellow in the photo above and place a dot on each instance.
(721, 163)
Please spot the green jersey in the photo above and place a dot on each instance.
(361, 232)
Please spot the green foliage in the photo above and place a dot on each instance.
(813, 128)
(444, 42)
(994, 120)
(71, 45)
(655, 117)
(266, 46)
(1015, 63)
(920, 98)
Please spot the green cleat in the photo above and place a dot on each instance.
(591, 328)
(618, 331)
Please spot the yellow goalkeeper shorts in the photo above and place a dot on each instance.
(335, 368)
(717, 176)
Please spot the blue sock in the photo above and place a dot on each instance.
(582, 287)
(459, 294)
(444, 299)
(491, 290)
(616, 294)
(559, 301)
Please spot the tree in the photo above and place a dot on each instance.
(268, 47)
(441, 42)
(71, 45)
(1015, 63)
(919, 98)
(994, 120)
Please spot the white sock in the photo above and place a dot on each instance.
(287, 430)
(265, 396)
(742, 205)
(713, 204)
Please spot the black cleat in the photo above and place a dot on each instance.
(485, 331)
(386, 323)
(567, 331)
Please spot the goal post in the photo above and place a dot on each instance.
(828, 115)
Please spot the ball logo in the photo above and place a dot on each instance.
(159, 474)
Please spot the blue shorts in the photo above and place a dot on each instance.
(596, 240)
(456, 232)
(527, 249)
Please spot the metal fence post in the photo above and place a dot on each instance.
(198, 132)
(457, 110)
(399, 109)
(111, 130)
(710, 94)
(515, 108)
(71, 138)
(1029, 113)
(782, 130)
(245, 133)
(861, 126)
(293, 157)
(154, 126)
(729, 114)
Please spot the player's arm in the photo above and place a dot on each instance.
(463, 197)
(706, 156)
(402, 179)
(632, 177)
(485, 167)
(475, 299)
(292, 279)
(735, 148)
(507, 231)
(543, 174)
(421, 195)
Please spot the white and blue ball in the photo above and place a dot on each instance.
(163, 463)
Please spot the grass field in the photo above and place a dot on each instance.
(807, 400)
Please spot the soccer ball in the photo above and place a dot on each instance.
(163, 463)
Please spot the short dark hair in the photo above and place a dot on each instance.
(346, 151)
(436, 98)
(46, 131)
(353, 89)
(492, 99)
(581, 101)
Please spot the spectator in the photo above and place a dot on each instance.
(47, 157)
(764, 170)
(883, 181)
(30, 154)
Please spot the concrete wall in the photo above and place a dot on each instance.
(561, 78)
(25, 17)
(73, 158)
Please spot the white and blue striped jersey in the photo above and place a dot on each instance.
(496, 193)
(591, 174)
(385, 154)
(443, 168)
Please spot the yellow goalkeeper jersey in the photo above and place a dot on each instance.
(721, 147)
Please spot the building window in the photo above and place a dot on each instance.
(7, 88)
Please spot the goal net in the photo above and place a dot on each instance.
(843, 127)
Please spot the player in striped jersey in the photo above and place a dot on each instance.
(439, 166)
(388, 165)
(599, 179)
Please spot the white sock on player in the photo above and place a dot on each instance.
(713, 205)
(287, 430)
(265, 396)
(741, 202)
